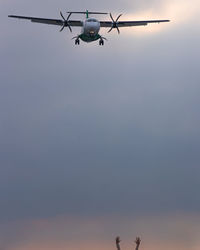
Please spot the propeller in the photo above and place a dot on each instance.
(115, 23)
(65, 22)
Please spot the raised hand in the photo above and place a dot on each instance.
(117, 242)
(137, 242)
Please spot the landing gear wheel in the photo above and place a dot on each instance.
(77, 41)
(101, 42)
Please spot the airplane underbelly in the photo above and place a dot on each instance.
(89, 38)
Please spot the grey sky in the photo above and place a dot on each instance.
(90, 131)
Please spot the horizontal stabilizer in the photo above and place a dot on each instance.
(87, 12)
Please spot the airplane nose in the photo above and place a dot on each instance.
(91, 33)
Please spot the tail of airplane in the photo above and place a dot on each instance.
(87, 13)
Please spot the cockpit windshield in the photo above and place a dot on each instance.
(91, 20)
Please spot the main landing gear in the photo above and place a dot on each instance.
(101, 42)
(77, 41)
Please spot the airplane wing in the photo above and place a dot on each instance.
(49, 21)
(122, 24)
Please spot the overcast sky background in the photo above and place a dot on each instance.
(100, 141)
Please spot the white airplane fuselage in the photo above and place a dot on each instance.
(90, 30)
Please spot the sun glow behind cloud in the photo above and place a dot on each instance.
(178, 12)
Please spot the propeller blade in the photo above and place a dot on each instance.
(62, 16)
(63, 21)
(118, 30)
(69, 16)
(70, 28)
(110, 29)
(118, 18)
(68, 22)
(112, 18)
(62, 27)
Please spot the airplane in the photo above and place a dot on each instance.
(90, 26)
